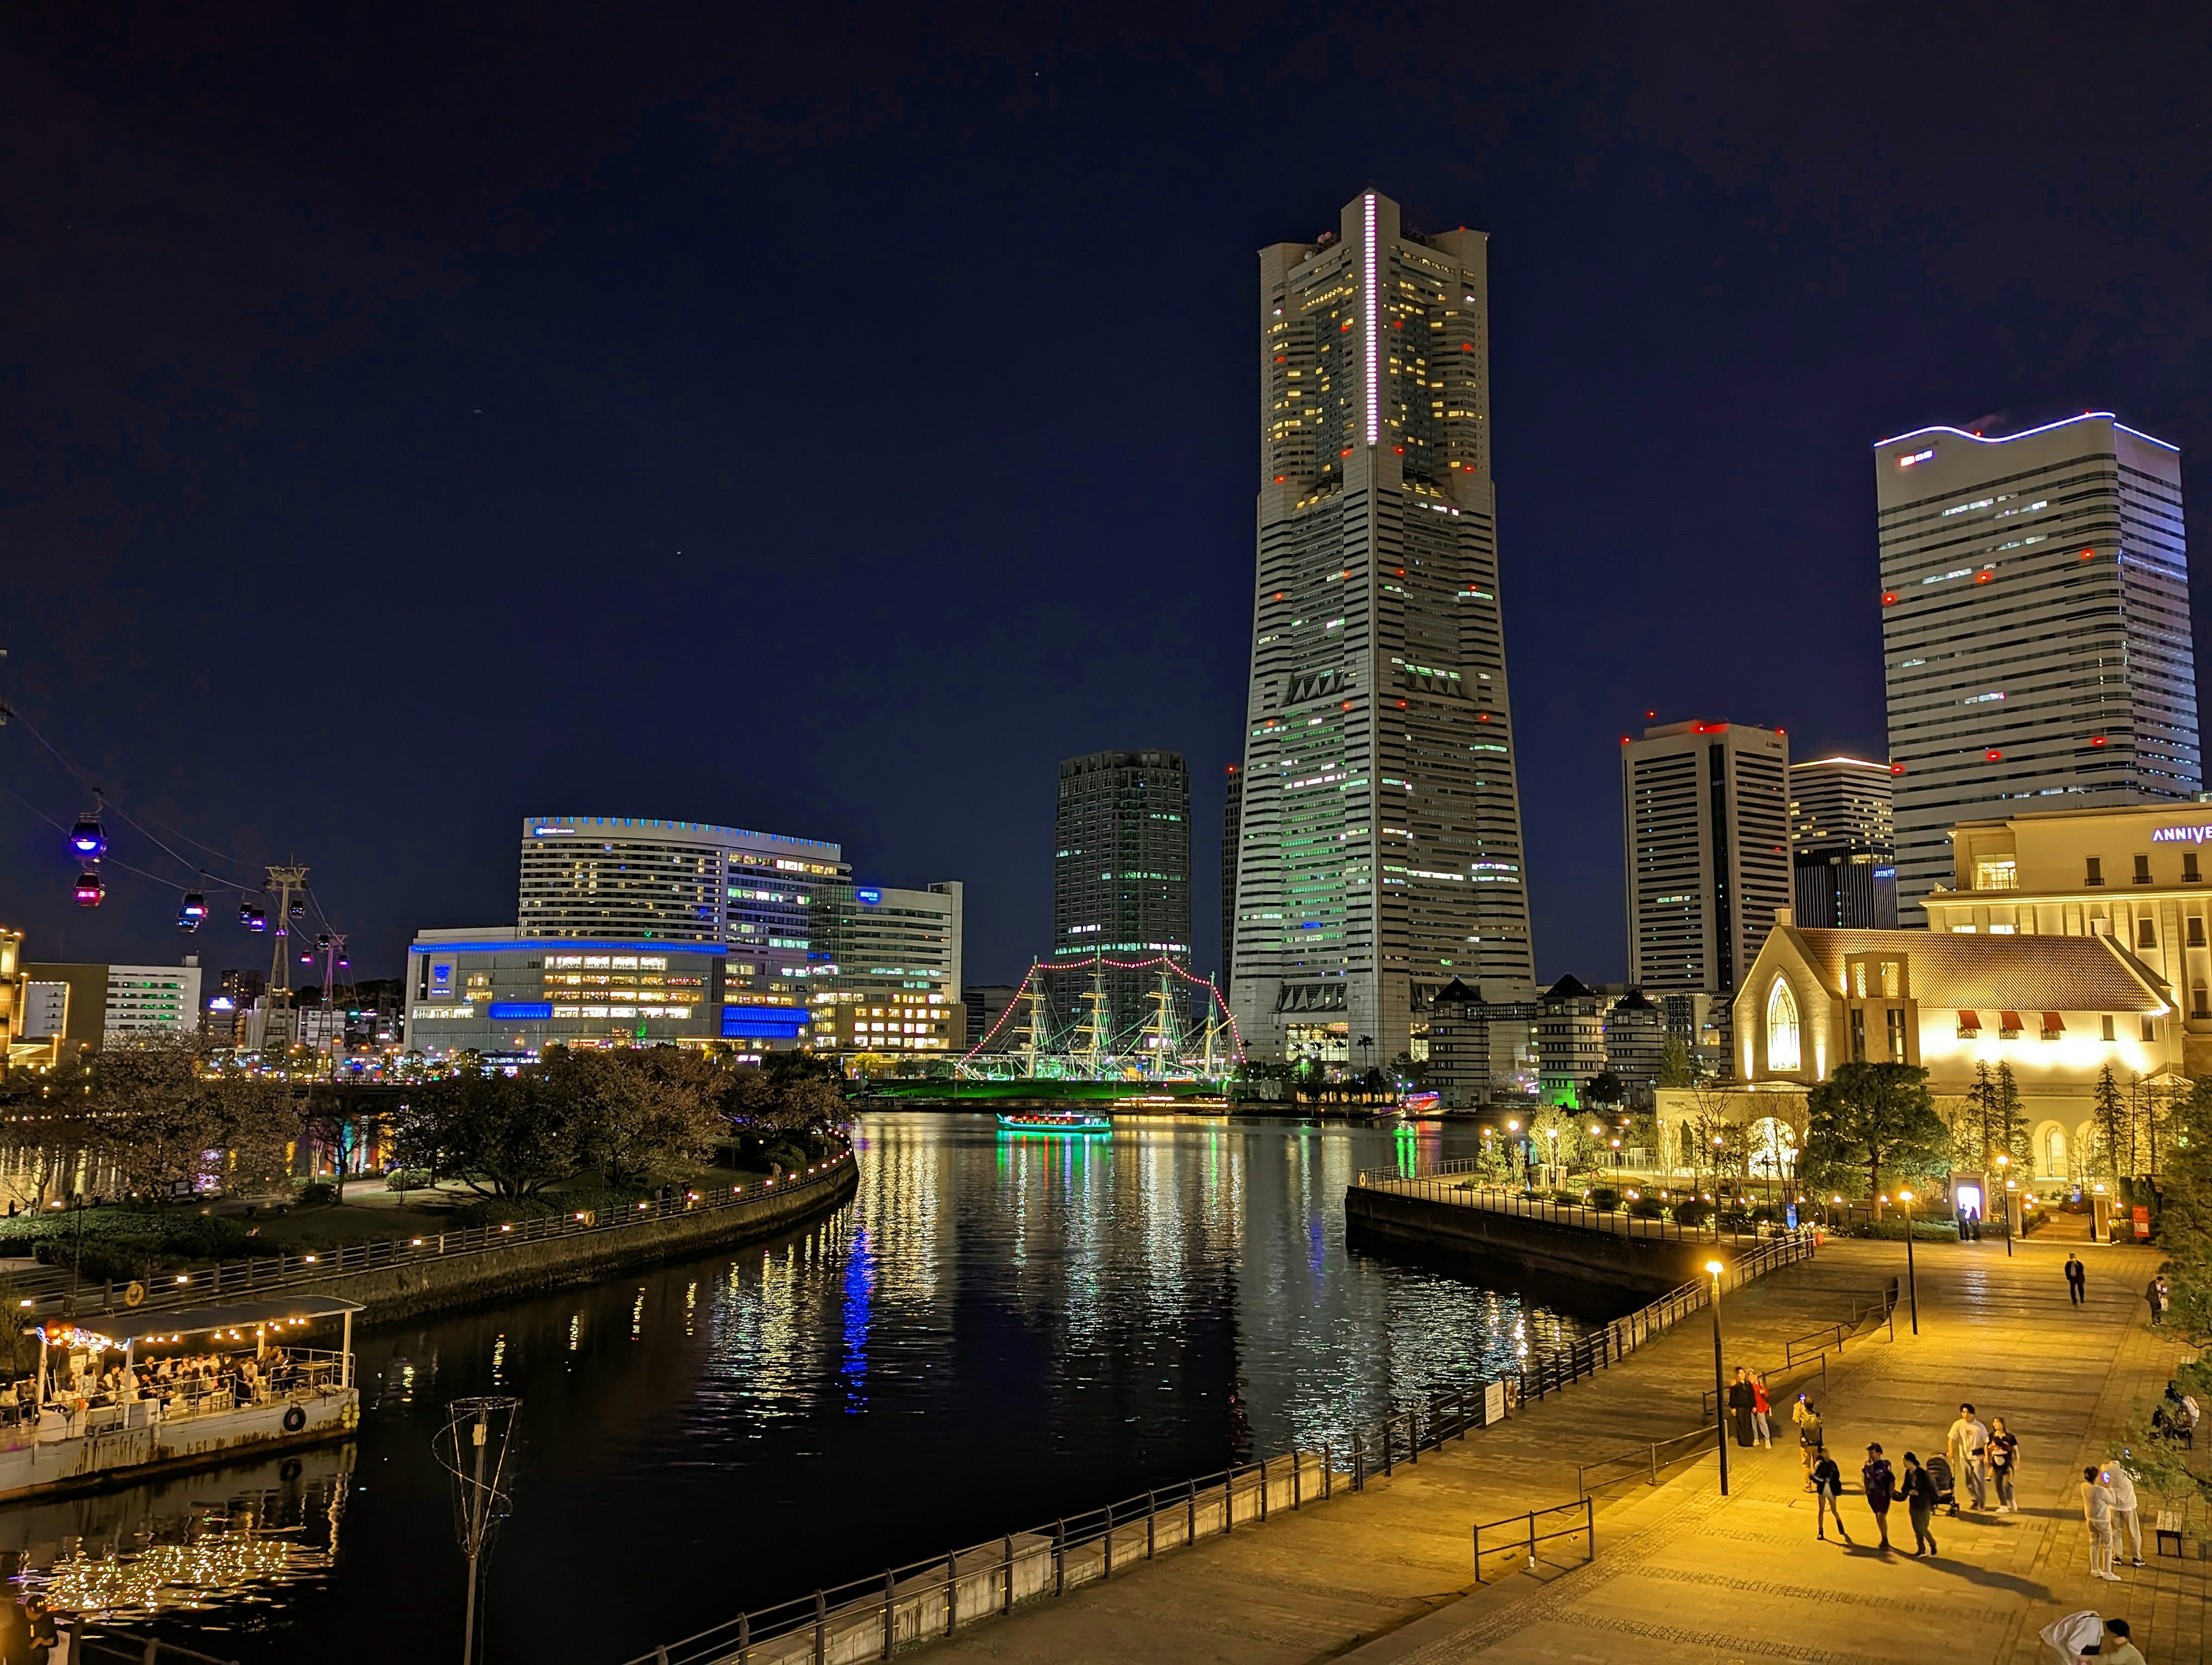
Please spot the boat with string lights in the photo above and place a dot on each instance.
(116, 1396)
(1055, 1121)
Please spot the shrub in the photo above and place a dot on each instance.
(318, 1194)
(1893, 1230)
(1647, 1208)
(117, 1244)
(1605, 1197)
(407, 1179)
(1692, 1214)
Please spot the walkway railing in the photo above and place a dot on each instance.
(1526, 1537)
(243, 1278)
(1437, 1186)
(869, 1618)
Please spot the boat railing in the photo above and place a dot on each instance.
(299, 1376)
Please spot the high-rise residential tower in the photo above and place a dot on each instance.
(1843, 843)
(1379, 854)
(1120, 872)
(1705, 817)
(2035, 630)
(1232, 810)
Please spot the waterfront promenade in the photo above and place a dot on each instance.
(1681, 1574)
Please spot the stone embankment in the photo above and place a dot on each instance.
(405, 1278)
(1492, 1227)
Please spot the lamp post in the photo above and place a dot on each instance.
(1551, 1162)
(1720, 1382)
(1911, 1290)
(2004, 1165)
(1514, 1129)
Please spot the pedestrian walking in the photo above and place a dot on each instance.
(1920, 1504)
(1827, 1496)
(2127, 1526)
(2077, 1280)
(1964, 1444)
(1878, 1481)
(1808, 1435)
(1761, 1413)
(2097, 1510)
(1740, 1399)
(2004, 1463)
(2154, 1296)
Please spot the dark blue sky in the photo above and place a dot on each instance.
(824, 424)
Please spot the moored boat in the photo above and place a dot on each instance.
(119, 1395)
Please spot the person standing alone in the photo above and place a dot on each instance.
(2077, 1280)
(2125, 1523)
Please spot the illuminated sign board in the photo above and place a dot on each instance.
(521, 1011)
(2196, 835)
(1917, 457)
(872, 897)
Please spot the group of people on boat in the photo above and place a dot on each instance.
(181, 1386)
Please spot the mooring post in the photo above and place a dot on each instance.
(1110, 1542)
(951, 1595)
(745, 1639)
(1007, 1602)
(1152, 1512)
(821, 1630)
(890, 1605)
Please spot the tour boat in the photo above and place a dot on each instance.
(1055, 1121)
(259, 1390)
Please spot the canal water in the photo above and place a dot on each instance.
(1000, 1329)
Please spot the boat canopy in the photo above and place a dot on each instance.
(188, 1324)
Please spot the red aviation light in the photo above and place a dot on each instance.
(2088, 555)
(1889, 598)
(1897, 769)
(1401, 705)
(1348, 705)
(1994, 754)
(2096, 739)
(1482, 716)
(1983, 577)
(1278, 479)
(1623, 740)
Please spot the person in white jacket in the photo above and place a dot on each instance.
(2097, 1510)
(2125, 1520)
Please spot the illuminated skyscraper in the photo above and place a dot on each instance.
(2035, 630)
(1120, 872)
(1379, 841)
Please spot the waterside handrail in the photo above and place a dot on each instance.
(1435, 1184)
(924, 1599)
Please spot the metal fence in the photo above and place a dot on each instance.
(1437, 1185)
(869, 1618)
(244, 1278)
(1529, 1537)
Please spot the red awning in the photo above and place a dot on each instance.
(2009, 1020)
(1969, 1019)
(2053, 1024)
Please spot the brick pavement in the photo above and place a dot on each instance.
(1680, 1573)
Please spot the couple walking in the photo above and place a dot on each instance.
(1985, 1456)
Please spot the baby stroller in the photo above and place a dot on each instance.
(1939, 1470)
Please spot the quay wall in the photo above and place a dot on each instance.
(411, 1288)
(1395, 1220)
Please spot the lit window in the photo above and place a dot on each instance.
(1783, 1050)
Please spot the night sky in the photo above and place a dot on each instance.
(822, 420)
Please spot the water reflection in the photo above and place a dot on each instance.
(1000, 1329)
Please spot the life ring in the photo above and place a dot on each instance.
(295, 1418)
(134, 1294)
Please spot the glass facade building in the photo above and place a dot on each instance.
(1379, 849)
(1121, 873)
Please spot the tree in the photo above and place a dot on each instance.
(1605, 1088)
(1676, 1067)
(2184, 1216)
(636, 1113)
(157, 1118)
(2108, 1125)
(504, 1136)
(1873, 1120)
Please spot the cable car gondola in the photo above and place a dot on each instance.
(299, 907)
(89, 839)
(91, 889)
(254, 918)
(194, 908)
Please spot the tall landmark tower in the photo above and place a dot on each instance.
(1379, 842)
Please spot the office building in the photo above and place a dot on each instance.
(1478, 1051)
(1570, 1040)
(984, 1004)
(1232, 810)
(507, 995)
(1380, 851)
(103, 1005)
(1705, 819)
(891, 980)
(1842, 801)
(2035, 630)
(1635, 1044)
(1121, 874)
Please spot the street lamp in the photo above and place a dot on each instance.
(2004, 1165)
(1719, 1384)
(1514, 1129)
(1911, 1290)
(1552, 1162)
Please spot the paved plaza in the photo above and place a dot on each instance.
(1680, 1573)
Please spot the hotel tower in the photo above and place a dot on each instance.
(2035, 630)
(1379, 851)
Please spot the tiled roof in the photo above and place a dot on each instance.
(2000, 973)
